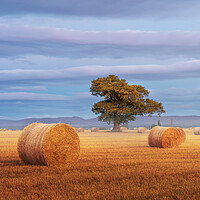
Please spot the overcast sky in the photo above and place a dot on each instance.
(50, 51)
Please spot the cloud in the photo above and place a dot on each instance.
(181, 70)
(18, 40)
(103, 8)
(178, 92)
(178, 96)
(15, 33)
(27, 88)
(31, 96)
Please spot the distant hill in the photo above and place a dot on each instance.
(181, 121)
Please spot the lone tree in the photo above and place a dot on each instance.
(122, 102)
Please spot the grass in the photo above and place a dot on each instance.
(111, 166)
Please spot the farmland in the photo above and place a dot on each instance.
(111, 166)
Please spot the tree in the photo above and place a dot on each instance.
(153, 125)
(122, 102)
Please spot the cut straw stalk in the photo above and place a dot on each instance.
(166, 137)
(49, 144)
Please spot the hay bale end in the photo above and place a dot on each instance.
(166, 137)
(197, 131)
(49, 144)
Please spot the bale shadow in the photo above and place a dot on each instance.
(10, 163)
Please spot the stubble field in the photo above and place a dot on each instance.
(111, 166)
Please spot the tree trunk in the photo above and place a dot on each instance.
(116, 127)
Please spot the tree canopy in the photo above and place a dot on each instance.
(122, 102)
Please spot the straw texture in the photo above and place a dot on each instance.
(197, 131)
(49, 144)
(166, 137)
(182, 133)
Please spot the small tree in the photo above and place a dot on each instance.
(153, 125)
(122, 102)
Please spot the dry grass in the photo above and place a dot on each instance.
(111, 166)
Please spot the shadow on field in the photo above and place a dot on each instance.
(10, 162)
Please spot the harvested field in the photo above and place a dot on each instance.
(111, 166)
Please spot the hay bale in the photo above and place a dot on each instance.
(123, 128)
(81, 129)
(182, 133)
(49, 144)
(76, 129)
(94, 129)
(166, 137)
(142, 130)
(197, 131)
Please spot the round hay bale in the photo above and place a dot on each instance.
(182, 133)
(142, 130)
(197, 131)
(81, 129)
(76, 129)
(49, 144)
(94, 129)
(166, 137)
(124, 128)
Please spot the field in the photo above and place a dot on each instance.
(111, 166)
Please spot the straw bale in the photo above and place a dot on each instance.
(142, 130)
(94, 129)
(81, 129)
(182, 133)
(166, 137)
(49, 144)
(197, 131)
(76, 129)
(124, 128)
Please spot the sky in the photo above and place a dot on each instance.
(50, 51)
